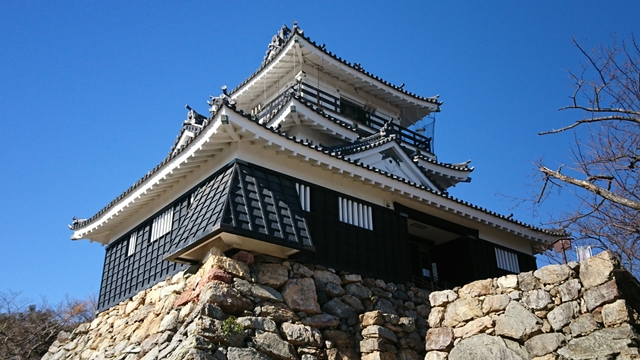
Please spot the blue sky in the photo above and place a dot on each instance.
(92, 96)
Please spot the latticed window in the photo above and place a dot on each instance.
(304, 192)
(161, 224)
(133, 238)
(507, 261)
(355, 213)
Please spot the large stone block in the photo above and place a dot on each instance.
(570, 290)
(601, 344)
(300, 295)
(441, 298)
(553, 274)
(327, 277)
(272, 345)
(536, 299)
(473, 327)
(583, 325)
(494, 303)
(273, 275)
(615, 313)
(439, 338)
(461, 310)
(476, 288)
(377, 331)
(517, 322)
(322, 321)
(234, 353)
(231, 266)
(225, 296)
(301, 335)
(483, 347)
(597, 270)
(563, 314)
(544, 344)
(601, 294)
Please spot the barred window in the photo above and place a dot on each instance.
(507, 260)
(304, 192)
(355, 213)
(161, 224)
(132, 243)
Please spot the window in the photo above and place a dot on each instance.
(132, 243)
(507, 260)
(162, 224)
(305, 196)
(355, 213)
(353, 111)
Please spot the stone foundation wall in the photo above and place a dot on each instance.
(574, 311)
(257, 308)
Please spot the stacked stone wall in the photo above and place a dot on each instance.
(257, 308)
(574, 311)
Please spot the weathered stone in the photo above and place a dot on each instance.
(436, 355)
(273, 275)
(322, 321)
(225, 296)
(528, 282)
(494, 303)
(596, 270)
(342, 354)
(327, 277)
(615, 313)
(333, 290)
(244, 256)
(583, 325)
(338, 308)
(536, 299)
(385, 306)
(517, 322)
(483, 347)
(461, 310)
(234, 353)
(185, 298)
(273, 346)
(439, 338)
(508, 281)
(339, 338)
(476, 288)
(377, 355)
(372, 318)
(408, 354)
(371, 345)
(299, 335)
(214, 274)
(350, 278)
(257, 323)
(601, 294)
(377, 331)
(231, 266)
(544, 344)
(170, 322)
(301, 270)
(408, 324)
(277, 312)
(600, 344)
(436, 316)
(300, 295)
(562, 315)
(473, 327)
(553, 274)
(354, 302)
(569, 290)
(441, 298)
(358, 290)
(215, 331)
(262, 292)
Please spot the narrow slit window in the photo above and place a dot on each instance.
(355, 213)
(133, 238)
(507, 260)
(304, 192)
(161, 224)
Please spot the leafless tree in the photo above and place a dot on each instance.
(27, 330)
(606, 152)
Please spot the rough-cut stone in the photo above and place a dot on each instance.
(483, 347)
(508, 281)
(272, 345)
(599, 344)
(225, 296)
(327, 277)
(435, 316)
(473, 327)
(528, 282)
(476, 288)
(517, 322)
(273, 275)
(544, 344)
(245, 257)
(351, 278)
(372, 318)
(615, 313)
(358, 290)
(234, 353)
(461, 310)
(377, 331)
(342, 354)
(562, 315)
(439, 338)
(536, 299)
(299, 335)
(214, 274)
(277, 312)
(440, 298)
(601, 294)
(170, 322)
(300, 295)
(553, 274)
(354, 302)
(436, 355)
(301, 270)
(257, 323)
(338, 308)
(377, 355)
(583, 325)
(570, 290)
(495, 303)
(596, 270)
(371, 345)
(339, 338)
(231, 266)
(334, 290)
(322, 321)
(385, 306)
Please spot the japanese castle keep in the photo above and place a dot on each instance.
(311, 158)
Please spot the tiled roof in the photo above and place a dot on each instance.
(328, 152)
(297, 31)
(460, 167)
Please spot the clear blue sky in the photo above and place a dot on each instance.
(92, 96)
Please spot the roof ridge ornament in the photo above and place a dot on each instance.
(216, 102)
(277, 42)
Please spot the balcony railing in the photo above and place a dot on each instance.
(354, 112)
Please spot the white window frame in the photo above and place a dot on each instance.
(507, 260)
(304, 192)
(162, 224)
(355, 213)
(133, 239)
